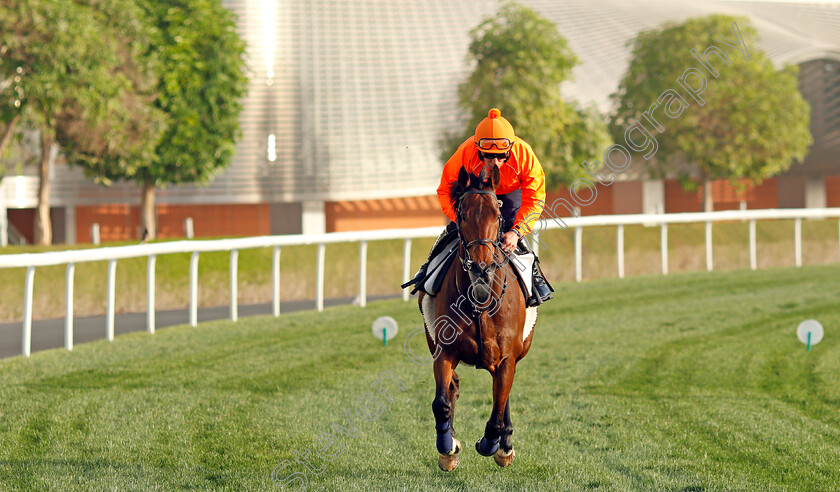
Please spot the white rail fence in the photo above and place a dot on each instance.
(151, 251)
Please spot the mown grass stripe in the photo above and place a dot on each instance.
(687, 382)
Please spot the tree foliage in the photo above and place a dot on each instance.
(69, 69)
(199, 84)
(185, 97)
(754, 122)
(520, 61)
(110, 128)
(200, 88)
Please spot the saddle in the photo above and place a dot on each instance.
(522, 262)
(438, 266)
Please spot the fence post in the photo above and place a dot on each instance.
(150, 294)
(406, 266)
(194, 288)
(578, 254)
(94, 233)
(109, 310)
(663, 233)
(709, 259)
(188, 228)
(620, 249)
(319, 294)
(234, 285)
(27, 311)
(797, 242)
(275, 277)
(363, 273)
(68, 306)
(753, 255)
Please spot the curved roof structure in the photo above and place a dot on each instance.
(349, 99)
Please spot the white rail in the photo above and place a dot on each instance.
(31, 261)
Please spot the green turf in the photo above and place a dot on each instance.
(691, 382)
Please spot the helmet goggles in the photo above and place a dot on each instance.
(487, 144)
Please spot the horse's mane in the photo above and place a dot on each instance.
(455, 191)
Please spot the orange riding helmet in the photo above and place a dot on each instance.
(494, 134)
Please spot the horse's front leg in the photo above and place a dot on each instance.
(443, 407)
(504, 456)
(496, 440)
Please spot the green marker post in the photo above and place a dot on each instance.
(809, 341)
(385, 337)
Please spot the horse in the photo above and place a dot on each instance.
(479, 318)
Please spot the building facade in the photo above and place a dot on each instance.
(349, 100)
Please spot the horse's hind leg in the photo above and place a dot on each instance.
(443, 408)
(496, 440)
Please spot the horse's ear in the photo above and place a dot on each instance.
(463, 178)
(495, 177)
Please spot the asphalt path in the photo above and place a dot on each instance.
(49, 333)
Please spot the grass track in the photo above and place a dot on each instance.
(692, 382)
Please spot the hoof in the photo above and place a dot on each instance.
(448, 462)
(504, 459)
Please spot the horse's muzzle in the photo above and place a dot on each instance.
(481, 289)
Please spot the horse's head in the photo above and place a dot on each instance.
(479, 220)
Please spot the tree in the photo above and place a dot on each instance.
(74, 77)
(22, 150)
(201, 84)
(520, 61)
(731, 114)
(6, 137)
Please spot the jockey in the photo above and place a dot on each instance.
(521, 190)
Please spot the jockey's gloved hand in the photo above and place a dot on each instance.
(509, 240)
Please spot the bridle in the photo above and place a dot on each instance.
(467, 263)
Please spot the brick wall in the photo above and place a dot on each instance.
(121, 222)
(832, 191)
(601, 205)
(393, 213)
(724, 195)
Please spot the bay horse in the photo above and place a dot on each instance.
(479, 318)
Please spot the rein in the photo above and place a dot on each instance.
(468, 264)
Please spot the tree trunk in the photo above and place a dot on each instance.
(7, 134)
(43, 225)
(147, 211)
(708, 202)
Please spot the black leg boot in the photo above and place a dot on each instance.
(542, 290)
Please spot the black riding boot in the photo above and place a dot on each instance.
(441, 241)
(541, 290)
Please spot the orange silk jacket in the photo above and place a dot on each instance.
(523, 170)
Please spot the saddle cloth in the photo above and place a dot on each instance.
(522, 264)
(438, 267)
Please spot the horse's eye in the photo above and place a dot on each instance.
(499, 202)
